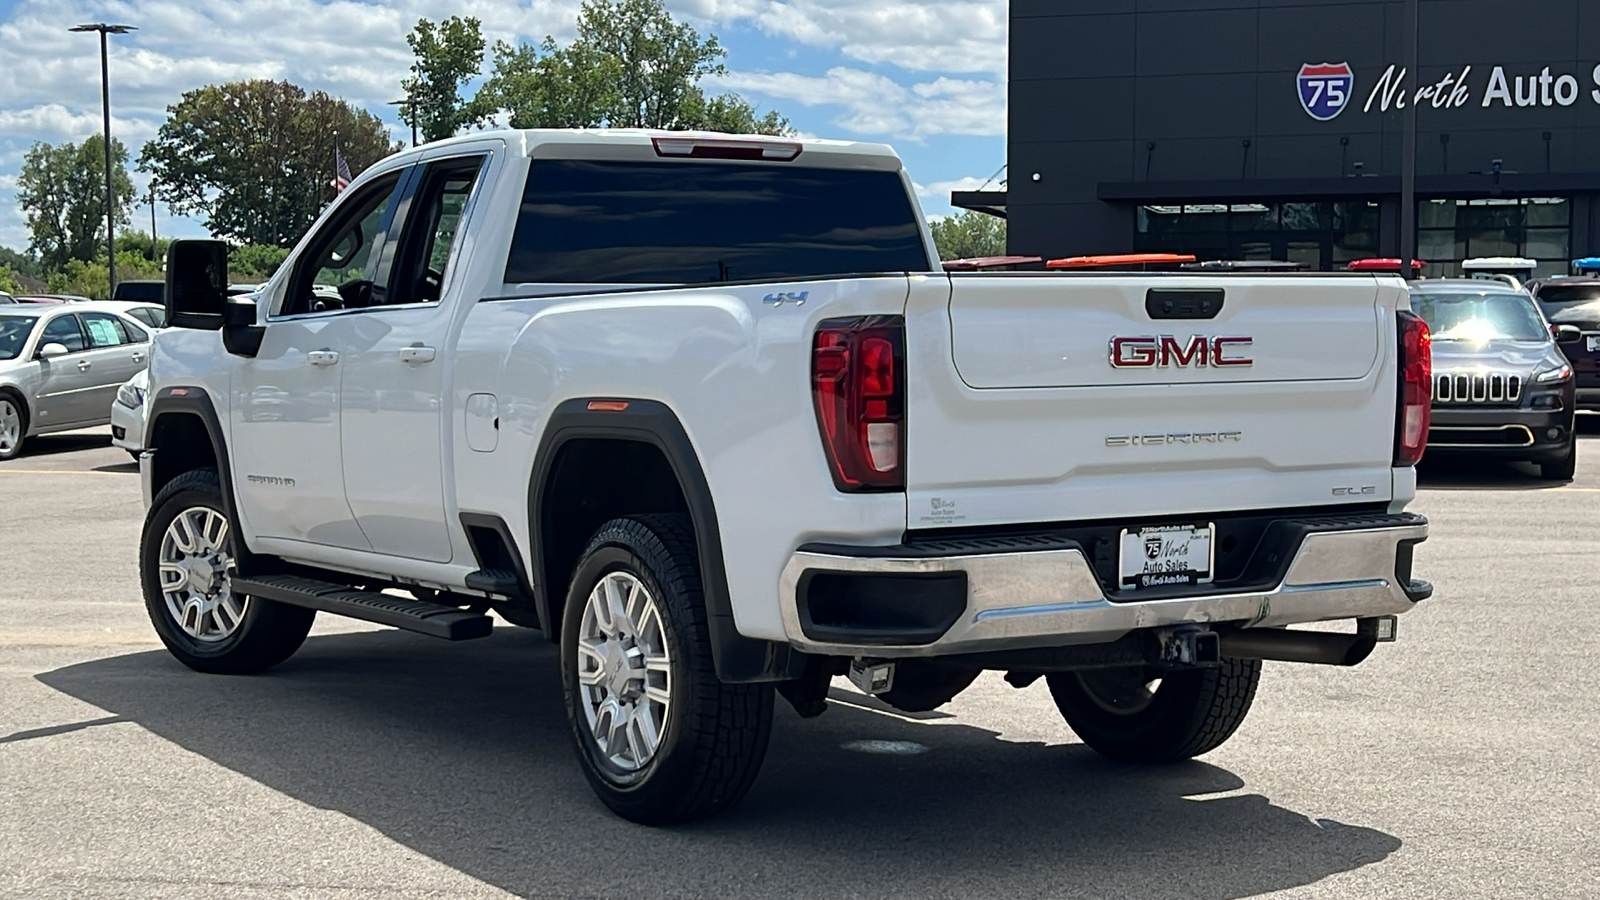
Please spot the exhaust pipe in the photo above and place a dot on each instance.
(1318, 647)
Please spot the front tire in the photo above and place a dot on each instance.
(659, 737)
(186, 561)
(13, 425)
(1119, 714)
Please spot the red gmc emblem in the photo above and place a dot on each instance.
(1163, 351)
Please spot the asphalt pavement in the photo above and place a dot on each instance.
(1461, 761)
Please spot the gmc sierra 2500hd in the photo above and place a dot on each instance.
(705, 410)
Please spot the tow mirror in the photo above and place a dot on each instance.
(1567, 334)
(53, 350)
(197, 284)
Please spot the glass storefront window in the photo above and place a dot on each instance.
(1316, 233)
(1450, 231)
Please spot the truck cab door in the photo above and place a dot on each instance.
(288, 471)
(396, 374)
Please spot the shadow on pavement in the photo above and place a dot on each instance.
(461, 753)
(51, 444)
(1461, 471)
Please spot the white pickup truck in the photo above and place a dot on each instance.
(705, 410)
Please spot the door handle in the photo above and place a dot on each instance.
(138, 357)
(83, 365)
(323, 357)
(416, 353)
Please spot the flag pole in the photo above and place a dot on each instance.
(335, 181)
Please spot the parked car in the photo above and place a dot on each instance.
(151, 314)
(707, 411)
(39, 299)
(1575, 300)
(1501, 386)
(6, 298)
(1511, 271)
(137, 291)
(128, 410)
(61, 365)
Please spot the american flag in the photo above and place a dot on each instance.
(342, 176)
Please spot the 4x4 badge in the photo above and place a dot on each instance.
(798, 298)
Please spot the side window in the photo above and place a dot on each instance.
(431, 230)
(336, 270)
(149, 315)
(136, 335)
(63, 330)
(104, 330)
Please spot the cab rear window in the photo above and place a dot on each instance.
(590, 222)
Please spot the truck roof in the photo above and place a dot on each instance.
(644, 143)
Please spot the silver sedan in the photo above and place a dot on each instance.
(60, 367)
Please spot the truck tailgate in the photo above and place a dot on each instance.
(1048, 398)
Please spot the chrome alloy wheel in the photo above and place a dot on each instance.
(624, 671)
(194, 576)
(10, 425)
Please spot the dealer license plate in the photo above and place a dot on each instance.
(1593, 342)
(1166, 555)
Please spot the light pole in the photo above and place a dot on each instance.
(410, 105)
(105, 110)
(152, 221)
(1408, 149)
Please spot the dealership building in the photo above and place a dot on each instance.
(1272, 129)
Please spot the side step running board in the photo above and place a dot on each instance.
(432, 619)
(495, 581)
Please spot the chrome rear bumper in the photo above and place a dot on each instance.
(1052, 597)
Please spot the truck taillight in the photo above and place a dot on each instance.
(858, 384)
(1416, 390)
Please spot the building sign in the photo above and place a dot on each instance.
(1326, 88)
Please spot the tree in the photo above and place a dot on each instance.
(19, 263)
(631, 66)
(970, 234)
(256, 158)
(448, 55)
(661, 60)
(62, 192)
(549, 86)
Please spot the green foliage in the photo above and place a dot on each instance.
(19, 263)
(62, 193)
(8, 281)
(256, 158)
(631, 66)
(968, 235)
(254, 262)
(550, 86)
(660, 60)
(448, 55)
(733, 114)
(138, 243)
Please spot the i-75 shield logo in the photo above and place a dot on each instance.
(1325, 89)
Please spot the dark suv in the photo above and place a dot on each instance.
(1575, 301)
(1500, 384)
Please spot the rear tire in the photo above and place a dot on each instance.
(186, 559)
(659, 737)
(13, 425)
(1190, 712)
(1562, 467)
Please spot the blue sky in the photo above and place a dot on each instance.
(927, 76)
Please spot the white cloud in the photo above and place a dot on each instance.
(875, 104)
(50, 79)
(919, 35)
(940, 190)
